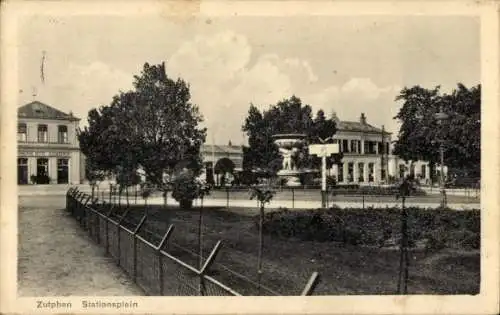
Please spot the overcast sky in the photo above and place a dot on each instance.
(344, 64)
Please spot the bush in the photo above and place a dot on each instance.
(184, 190)
(436, 229)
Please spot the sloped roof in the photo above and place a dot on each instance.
(231, 149)
(358, 126)
(39, 110)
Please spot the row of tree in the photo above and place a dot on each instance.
(153, 128)
(288, 116)
(421, 134)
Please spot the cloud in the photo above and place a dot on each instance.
(225, 78)
(224, 81)
(356, 96)
(80, 87)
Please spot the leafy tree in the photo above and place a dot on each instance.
(420, 133)
(286, 116)
(127, 177)
(224, 165)
(263, 196)
(94, 175)
(153, 128)
(163, 126)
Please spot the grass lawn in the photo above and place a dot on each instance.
(288, 263)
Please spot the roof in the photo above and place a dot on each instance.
(39, 110)
(231, 149)
(358, 126)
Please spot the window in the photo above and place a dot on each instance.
(354, 146)
(423, 171)
(62, 171)
(345, 146)
(22, 171)
(43, 135)
(370, 172)
(21, 132)
(402, 170)
(350, 172)
(340, 174)
(62, 134)
(361, 176)
(380, 147)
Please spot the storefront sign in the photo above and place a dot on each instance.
(44, 153)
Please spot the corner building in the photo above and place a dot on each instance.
(367, 157)
(48, 150)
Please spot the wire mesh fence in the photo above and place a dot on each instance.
(156, 263)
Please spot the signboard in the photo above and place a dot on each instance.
(324, 149)
(44, 153)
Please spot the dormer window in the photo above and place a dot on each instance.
(43, 135)
(21, 132)
(62, 134)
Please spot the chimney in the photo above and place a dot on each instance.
(362, 119)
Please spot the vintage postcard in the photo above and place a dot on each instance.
(254, 157)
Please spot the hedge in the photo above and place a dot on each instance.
(429, 228)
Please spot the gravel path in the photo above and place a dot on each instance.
(56, 258)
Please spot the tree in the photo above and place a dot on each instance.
(127, 177)
(153, 127)
(420, 133)
(263, 196)
(405, 189)
(286, 116)
(93, 174)
(163, 125)
(262, 153)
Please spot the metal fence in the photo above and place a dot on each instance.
(148, 257)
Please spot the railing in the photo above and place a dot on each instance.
(146, 257)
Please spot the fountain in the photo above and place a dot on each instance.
(289, 146)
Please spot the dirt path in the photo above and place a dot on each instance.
(55, 257)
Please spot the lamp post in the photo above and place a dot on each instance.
(441, 116)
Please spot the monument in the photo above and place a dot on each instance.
(289, 146)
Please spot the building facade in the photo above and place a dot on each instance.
(47, 146)
(367, 156)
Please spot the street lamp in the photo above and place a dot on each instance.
(441, 116)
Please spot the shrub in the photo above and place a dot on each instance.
(433, 228)
(436, 240)
(184, 190)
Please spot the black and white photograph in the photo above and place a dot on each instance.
(179, 150)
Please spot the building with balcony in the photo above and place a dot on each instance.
(47, 146)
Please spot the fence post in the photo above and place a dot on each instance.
(227, 197)
(137, 228)
(160, 256)
(293, 198)
(108, 214)
(311, 284)
(118, 229)
(208, 263)
(363, 193)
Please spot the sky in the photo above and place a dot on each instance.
(347, 64)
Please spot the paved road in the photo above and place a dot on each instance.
(299, 204)
(56, 258)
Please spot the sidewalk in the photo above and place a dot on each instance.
(56, 257)
(301, 204)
